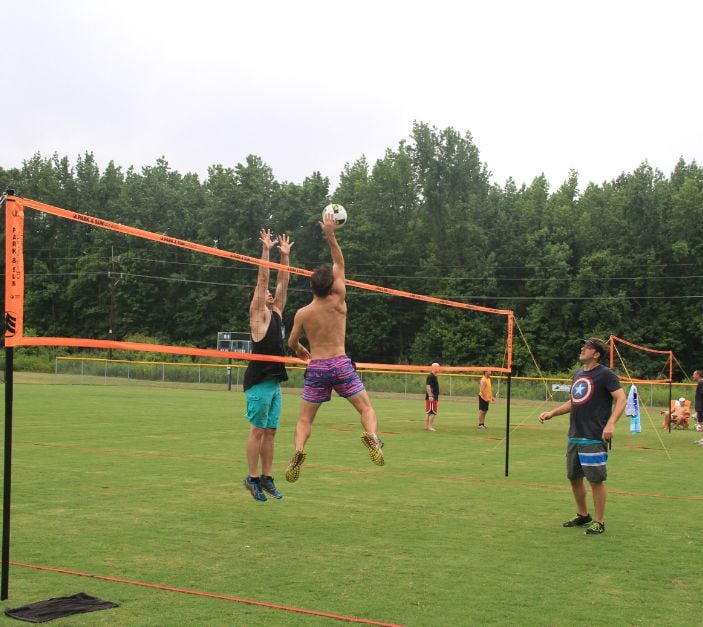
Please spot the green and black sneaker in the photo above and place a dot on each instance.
(578, 521)
(595, 528)
(293, 470)
(372, 442)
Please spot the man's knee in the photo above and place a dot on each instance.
(361, 401)
(308, 411)
(256, 433)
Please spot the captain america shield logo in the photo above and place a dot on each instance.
(581, 390)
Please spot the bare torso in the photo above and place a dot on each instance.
(324, 323)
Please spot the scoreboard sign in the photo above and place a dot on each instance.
(234, 341)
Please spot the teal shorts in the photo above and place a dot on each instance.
(264, 404)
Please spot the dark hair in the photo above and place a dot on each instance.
(321, 280)
(598, 345)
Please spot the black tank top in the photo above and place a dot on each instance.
(270, 344)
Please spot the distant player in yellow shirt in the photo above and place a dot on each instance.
(485, 396)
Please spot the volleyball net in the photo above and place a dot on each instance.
(636, 364)
(640, 364)
(15, 335)
(15, 297)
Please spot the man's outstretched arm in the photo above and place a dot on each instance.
(258, 318)
(329, 226)
(281, 295)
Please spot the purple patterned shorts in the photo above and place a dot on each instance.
(324, 374)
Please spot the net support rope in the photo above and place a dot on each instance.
(541, 377)
(678, 363)
(614, 349)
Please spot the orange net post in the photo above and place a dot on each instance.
(509, 357)
(14, 272)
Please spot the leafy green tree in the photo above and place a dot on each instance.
(622, 257)
(451, 183)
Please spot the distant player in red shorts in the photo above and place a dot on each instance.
(324, 323)
(431, 397)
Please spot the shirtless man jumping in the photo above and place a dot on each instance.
(324, 323)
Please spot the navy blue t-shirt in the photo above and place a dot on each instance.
(591, 401)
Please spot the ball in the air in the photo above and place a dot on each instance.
(338, 212)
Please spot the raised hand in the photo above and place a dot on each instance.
(328, 224)
(266, 239)
(284, 244)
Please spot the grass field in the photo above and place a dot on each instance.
(144, 484)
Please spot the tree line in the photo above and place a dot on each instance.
(622, 257)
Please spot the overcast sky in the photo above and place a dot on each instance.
(542, 86)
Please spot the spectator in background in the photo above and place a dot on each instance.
(678, 416)
(431, 397)
(698, 403)
(485, 397)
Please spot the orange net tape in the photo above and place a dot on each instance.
(642, 348)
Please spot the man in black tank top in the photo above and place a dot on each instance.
(262, 379)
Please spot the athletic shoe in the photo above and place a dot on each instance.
(293, 470)
(595, 528)
(700, 442)
(374, 444)
(255, 488)
(578, 521)
(269, 486)
(430, 429)
(482, 427)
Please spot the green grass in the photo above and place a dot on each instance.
(144, 484)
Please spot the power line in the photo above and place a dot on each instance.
(363, 264)
(408, 277)
(463, 298)
(528, 278)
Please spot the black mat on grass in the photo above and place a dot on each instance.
(44, 611)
